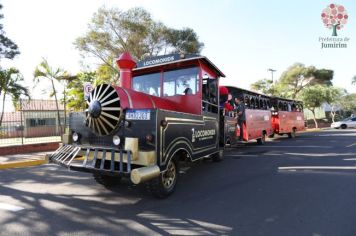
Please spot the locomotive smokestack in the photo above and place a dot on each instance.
(126, 63)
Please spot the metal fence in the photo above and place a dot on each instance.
(37, 123)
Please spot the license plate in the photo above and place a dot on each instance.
(138, 115)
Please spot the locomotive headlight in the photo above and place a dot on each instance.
(116, 140)
(127, 124)
(149, 138)
(75, 137)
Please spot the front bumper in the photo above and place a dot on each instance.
(106, 161)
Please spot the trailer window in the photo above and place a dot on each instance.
(180, 82)
(149, 84)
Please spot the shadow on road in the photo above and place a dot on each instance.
(243, 195)
(56, 201)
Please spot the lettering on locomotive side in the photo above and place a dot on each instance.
(202, 134)
(158, 61)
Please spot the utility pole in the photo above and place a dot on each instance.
(272, 71)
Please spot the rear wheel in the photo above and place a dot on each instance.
(107, 181)
(292, 134)
(219, 156)
(343, 126)
(271, 136)
(262, 140)
(165, 184)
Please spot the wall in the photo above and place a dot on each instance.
(27, 148)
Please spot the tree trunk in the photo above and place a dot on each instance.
(314, 118)
(58, 116)
(333, 113)
(3, 108)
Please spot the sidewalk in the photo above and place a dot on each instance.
(23, 160)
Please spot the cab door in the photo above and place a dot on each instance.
(210, 106)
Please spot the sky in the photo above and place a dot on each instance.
(243, 38)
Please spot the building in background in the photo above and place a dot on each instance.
(34, 118)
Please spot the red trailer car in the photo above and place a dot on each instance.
(287, 116)
(258, 117)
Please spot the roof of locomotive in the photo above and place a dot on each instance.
(160, 61)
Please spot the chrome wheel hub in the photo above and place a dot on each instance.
(169, 176)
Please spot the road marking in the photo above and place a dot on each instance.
(294, 146)
(320, 154)
(9, 207)
(317, 168)
(243, 155)
(328, 135)
(349, 159)
(354, 144)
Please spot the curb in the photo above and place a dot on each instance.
(20, 164)
(23, 163)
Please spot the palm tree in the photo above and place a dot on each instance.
(44, 71)
(9, 85)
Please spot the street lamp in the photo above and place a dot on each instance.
(272, 71)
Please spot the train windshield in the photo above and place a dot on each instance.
(180, 82)
(149, 84)
(175, 82)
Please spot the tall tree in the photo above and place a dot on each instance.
(333, 96)
(182, 41)
(313, 97)
(8, 49)
(298, 76)
(348, 103)
(353, 81)
(45, 72)
(112, 31)
(265, 86)
(10, 80)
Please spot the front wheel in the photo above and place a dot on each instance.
(343, 126)
(219, 156)
(165, 184)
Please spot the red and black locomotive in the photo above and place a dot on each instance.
(166, 110)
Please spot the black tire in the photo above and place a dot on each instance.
(106, 180)
(262, 140)
(343, 126)
(271, 136)
(217, 157)
(292, 134)
(165, 184)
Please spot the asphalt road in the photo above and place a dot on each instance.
(246, 194)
